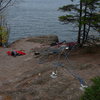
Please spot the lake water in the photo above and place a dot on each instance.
(38, 17)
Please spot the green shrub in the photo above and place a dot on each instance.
(4, 35)
(92, 92)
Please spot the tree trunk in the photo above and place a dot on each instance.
(80, 24)
(84, 26)
(89, 25)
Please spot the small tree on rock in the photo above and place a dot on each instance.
(4, 31)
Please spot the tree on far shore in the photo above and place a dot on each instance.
(85, 14)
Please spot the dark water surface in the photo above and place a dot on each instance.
(38, 17)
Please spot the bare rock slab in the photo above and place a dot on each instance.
(46, 39)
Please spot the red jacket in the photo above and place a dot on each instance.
(18, 52)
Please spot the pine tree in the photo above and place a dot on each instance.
(86, 16)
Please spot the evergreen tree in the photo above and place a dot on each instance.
(85, 14)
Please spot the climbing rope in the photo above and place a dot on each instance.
(75, 75)
(64, 50)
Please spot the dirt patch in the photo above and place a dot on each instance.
(24, 78)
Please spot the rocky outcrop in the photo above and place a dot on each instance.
(46, 39)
